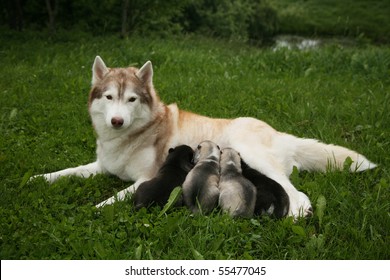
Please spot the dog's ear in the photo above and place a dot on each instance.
(99, 70)
(145, 74)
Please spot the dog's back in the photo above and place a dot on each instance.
(237, 194)
(200, 189)
(170, 175)
(271, 197)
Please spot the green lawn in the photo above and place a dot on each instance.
(339, 95)
(355, 18)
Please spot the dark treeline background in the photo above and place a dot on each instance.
(248, 20)
(245, 19)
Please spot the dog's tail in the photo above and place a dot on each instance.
(312, 155)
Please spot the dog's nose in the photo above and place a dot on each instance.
(117, 122)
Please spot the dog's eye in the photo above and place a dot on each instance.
(109, 97)
(199, 146)
(132, 99)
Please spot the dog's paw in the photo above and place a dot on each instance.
(32, 178)
(300, 205)
(118, 197)
(46, 177)
(109, 201)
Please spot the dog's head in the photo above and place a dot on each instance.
(207, 150)
(230, 157)
(182, 156)
(122, 98)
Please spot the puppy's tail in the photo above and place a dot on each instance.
(312, 155)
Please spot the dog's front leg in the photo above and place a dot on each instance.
(300, 205)
(122, 194)
(81, 171)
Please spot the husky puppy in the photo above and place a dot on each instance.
(172, 174)
(200, 189)
(135, 129)
(271, 198)
(237, 194)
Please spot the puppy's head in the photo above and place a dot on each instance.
(230, 156)
(181, 155)
(207, 150)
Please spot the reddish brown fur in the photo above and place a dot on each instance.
(191, 124)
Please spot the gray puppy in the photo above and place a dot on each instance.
(200, 189)
(237, 194)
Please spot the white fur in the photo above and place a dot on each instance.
(137, 159)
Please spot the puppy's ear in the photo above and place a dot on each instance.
(170, 150)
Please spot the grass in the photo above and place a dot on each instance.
(339, 95)
(355, 18)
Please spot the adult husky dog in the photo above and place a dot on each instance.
(135, 131)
